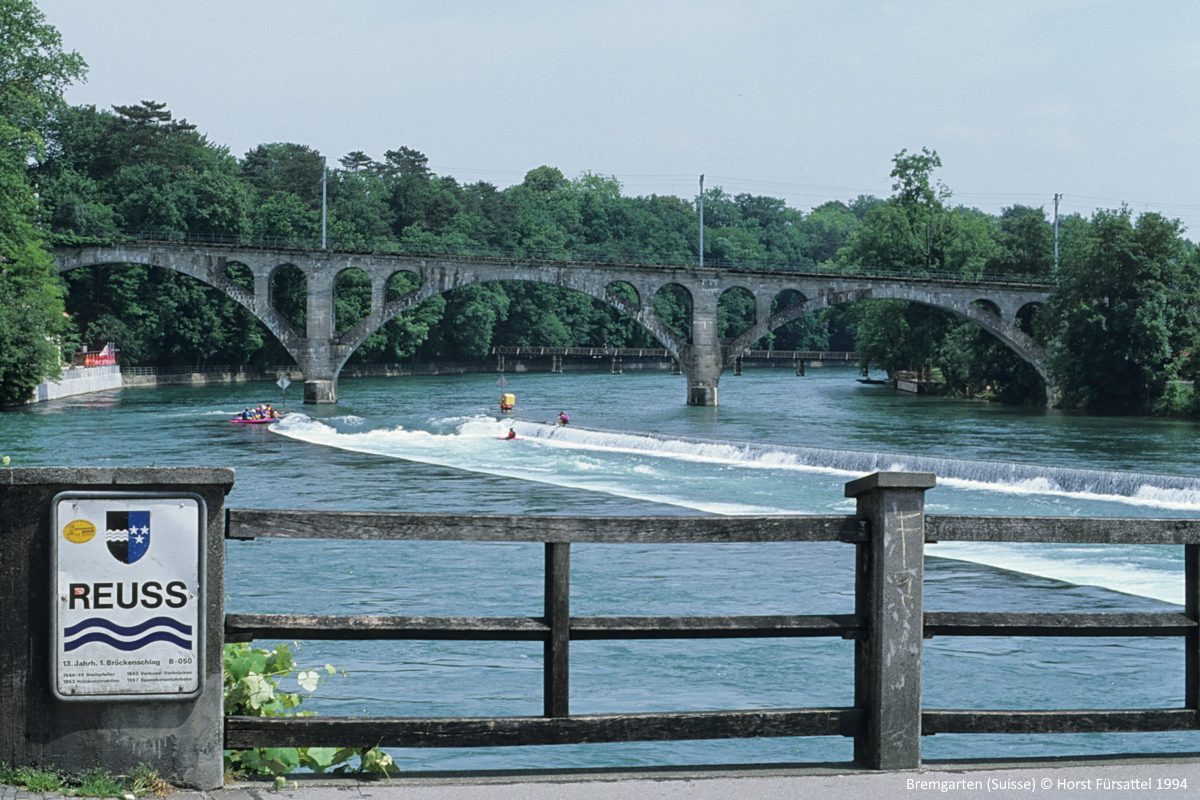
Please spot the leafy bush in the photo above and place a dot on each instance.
(252, 689)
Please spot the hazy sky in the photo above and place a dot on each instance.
(1098, 100)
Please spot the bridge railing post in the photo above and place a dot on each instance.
(889, 599)
(82, 694)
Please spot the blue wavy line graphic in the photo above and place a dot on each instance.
(136, 644)
(131, 630)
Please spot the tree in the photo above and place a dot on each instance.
(894, 335)
(471, 313)
(544, 179)
(1122, 308)
(285, 167)
(34, 70)
(826, 229)
(1026, 241)
(917, 232)
(908, 230)
(355, 161)
(407, 163)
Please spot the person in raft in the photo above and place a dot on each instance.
(563, 419)
(511, 434)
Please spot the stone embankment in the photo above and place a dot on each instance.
(79, 380)
(84, 380)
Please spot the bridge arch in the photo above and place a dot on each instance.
(287, 294)
(637, 309)
(996, 314)
(355, 294)
(737, 311)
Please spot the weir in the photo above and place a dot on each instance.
(703, 354)
(1034, 478)
(886, 626)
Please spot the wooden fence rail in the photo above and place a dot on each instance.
(888, 626)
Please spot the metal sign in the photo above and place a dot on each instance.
(502, 382)
(283, 382)
(128, 599)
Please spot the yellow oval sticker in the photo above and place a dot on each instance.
(79, 531)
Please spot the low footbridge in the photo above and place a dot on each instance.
(321, 350)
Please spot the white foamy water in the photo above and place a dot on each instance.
(742, 478)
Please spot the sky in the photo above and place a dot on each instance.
(808, 100)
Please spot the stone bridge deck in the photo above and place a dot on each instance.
(321, 350)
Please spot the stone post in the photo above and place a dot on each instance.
(889, 600)
(183, 740)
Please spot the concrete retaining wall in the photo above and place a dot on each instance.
(79, 380)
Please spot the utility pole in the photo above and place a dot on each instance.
(1057, 197)
(702, 219)
(324, 200)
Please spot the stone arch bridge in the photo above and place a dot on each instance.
(320, 350)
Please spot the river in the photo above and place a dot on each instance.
(778, 444)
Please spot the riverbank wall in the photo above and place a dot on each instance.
(148, 377)
(85, 380)
(79, 380)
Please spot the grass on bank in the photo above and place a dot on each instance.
(143, 782)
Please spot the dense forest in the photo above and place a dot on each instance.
(1120, 326)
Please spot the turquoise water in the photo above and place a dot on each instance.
(777, 444)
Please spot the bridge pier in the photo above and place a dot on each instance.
(320, 392)
(705, 356)
(320, 361)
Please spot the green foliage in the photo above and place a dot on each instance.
(1122, 308)
(138, 166)
(34, 71)
(735, 312)
(253, 679)
(294, 169)
(471, 315)
(30, 300)
(1179, 400)
(1026, 242)
(40, 781)
(97, 782)
(673, 305)
(145, 781)
(894, 335)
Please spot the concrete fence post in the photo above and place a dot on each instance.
(889, 598)
(102, 692)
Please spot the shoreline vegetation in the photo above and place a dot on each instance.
(144, 781)
(1121, 324)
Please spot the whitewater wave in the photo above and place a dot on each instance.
(741, 478)
(1177, 492)
(454, 443)
(469, 443)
